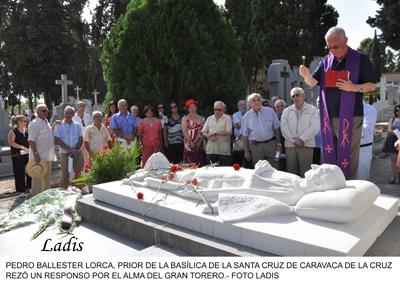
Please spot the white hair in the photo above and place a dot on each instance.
(280, 101)
(69, 108)
(219, 102)
(80, 103)
(122, 101)
(253, 95)
(42, 105)
(298, 90)
(96, 113)
(335, 32)
(241, 101)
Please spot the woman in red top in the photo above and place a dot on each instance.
(150, 131)
(192, 124)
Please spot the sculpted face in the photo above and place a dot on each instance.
(323, 177)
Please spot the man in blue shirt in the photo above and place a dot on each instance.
(123, 123)
(68, 136)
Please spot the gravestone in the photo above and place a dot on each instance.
(279, 79)
(4, 123)
(96, 107)
(59, 109)
(77, 89)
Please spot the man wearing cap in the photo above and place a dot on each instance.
(68, 136)
(41, 147)
(260, 131)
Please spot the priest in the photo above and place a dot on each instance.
(343, 76)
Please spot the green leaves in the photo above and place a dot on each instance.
(162, 51)
(111, 165)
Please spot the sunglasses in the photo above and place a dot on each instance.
(334, 47)
(173, 106)
(295, 95)
(217, 109)
(44, 110)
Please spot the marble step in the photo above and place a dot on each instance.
(159, 251)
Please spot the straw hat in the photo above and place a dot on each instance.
(36, 170)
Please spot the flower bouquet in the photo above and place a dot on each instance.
(110, 165)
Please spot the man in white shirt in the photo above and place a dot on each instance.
(84, 120)
(299, 125)
(367, 139)
(41, 146)
(68, 136)
(260, 131)
(218, 130)
(237, 118)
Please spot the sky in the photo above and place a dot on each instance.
(354, 23)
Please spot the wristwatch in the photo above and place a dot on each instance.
(36, 153)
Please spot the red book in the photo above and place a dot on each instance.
(332, 77)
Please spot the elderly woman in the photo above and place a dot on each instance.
(96, 135)
(150, 130)
(18, 141)
(192, 124)
(299, 125)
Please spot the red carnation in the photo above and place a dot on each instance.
(104, 147)
(173, 168)
(171, 176)
(139, 195)
(194, 182)
(236, 166)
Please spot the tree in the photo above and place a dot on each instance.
(388, 21)
(239, 13)
(106, 14)
(280, 29)
(375, 50)
(365, 45)
(40, 40)
(163, 51)
(390, 61)
(377, 57)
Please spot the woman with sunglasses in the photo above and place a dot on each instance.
(18, 141)
(394, 124)
(173, 135)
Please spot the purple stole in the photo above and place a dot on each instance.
(347, 102)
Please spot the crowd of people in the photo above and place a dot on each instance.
(290, 137)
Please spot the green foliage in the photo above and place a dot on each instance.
(110, 165)
(280, 30)
(387, 20)
(162, 51)
(375, 50)
(40, 40)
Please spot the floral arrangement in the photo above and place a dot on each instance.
(110, 165)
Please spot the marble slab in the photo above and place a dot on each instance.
(286, 235)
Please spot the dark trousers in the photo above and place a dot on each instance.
(224, 160)
(22, 180)
(175, 153)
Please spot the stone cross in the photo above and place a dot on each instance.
(77, 89)
(2, 105)
(285, 75)
(95, 93)
(64, 82)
